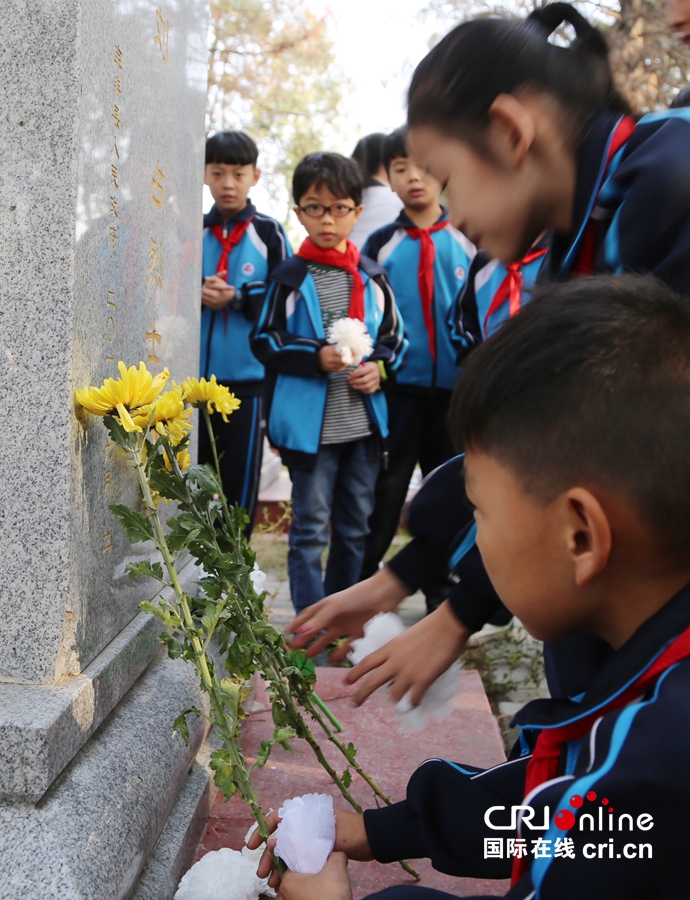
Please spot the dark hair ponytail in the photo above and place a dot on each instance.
(455, 85)
(368, 154)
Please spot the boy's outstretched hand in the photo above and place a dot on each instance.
(343, 615)
(366, 378)
(350, 839)
(331, 883)
(415, 659)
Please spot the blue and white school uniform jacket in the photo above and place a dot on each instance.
(225, 350)
(642, 208)
(398, 253)
(469, 323)
(287, 340)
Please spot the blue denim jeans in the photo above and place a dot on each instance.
(339, 489)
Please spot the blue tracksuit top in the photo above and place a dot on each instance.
(225, 350)
(288, 337)
(398, 253)
(642, 210)
(469, 323)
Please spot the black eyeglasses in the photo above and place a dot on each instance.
(318, 210)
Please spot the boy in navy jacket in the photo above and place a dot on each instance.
(582, 534)
(241, 247)
(427, 261)
(327, 418)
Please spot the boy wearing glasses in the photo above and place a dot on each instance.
(426, 261)
(328, 419)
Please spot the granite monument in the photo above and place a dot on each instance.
(102, 135)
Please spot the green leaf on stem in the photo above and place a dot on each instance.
(350, 752)
(180, 723)
(136, 525)
(166, 484)
(152, 609)
(205, 477)
(117, 432)
(151, 570)
(346, 778)
(175, 648)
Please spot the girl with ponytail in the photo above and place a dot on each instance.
(531, 137)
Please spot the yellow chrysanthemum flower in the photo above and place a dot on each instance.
(167, 415)
(200, 392)
(184, 460)
(117, 396)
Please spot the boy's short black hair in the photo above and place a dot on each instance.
(395, 146)
(232, 148)
(340, 174)
(590, 385)
(368, 154)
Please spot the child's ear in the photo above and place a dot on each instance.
(512, 129)
(257, 175)
(588, 535)
(358, 211)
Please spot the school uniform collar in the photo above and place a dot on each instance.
(404, 221)
(617, 671)
(213, 217)
(294, 270)
(589, 157)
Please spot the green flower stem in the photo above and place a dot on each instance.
(216, 464)
(322, 706)
(207, 680)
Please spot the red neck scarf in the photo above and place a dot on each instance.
(547, 753)
(511, 287)
(227, 243)
(348, 261)
(586, 257)
(425, 276)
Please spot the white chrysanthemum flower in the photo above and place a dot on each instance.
(224, 875)
(351, 339)
(305, 836)
(258, 579)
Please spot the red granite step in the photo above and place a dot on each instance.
(470, 734)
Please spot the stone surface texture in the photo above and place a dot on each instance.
(91, 834)
(470, 735)
(43, 726)
(102, 137)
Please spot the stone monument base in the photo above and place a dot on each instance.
(93, 831)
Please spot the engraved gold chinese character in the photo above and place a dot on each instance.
(107, 542)
(162, 37)
(108, 480)
(155, 264)
(155, 338)
(113, 207)
(116, 116)
(115, 150)
(118, 57)
(157, 187)
(117, 84)
(113, 176)
(112, 237)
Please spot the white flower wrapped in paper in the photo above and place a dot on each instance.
(257, 578)
(436, 700)
(305, 836)
(225, 875)
(351, 339)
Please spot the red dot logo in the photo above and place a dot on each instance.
(610, 809)
(576, 801)
(605, 801)
(591, 795)
(564, 819)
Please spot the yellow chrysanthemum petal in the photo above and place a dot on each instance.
(126, 419)
(215, 397)
(134, 389)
